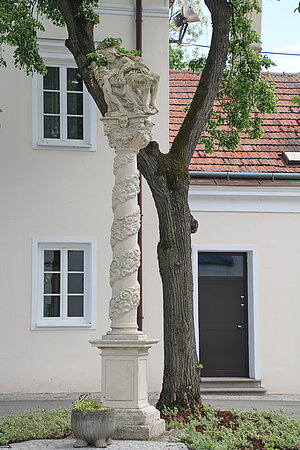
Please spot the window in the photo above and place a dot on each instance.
(63, 111)
(63, 284)
(63, 104)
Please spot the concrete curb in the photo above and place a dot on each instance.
(153, 396)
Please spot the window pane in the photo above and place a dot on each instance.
(52, 283)
(74, 80)
(51, 79)
(75, 128)
(51, 306)
(75, 260)
(212, 264)
(51, 260)
(75, 306)
(75, 104)
(52, 127)
(51, 102)
(75, 283)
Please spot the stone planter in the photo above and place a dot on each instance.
(93, 427)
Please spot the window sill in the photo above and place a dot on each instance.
(73, 146)
(62, 326)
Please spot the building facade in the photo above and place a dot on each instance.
(56, 183)
(245, 253)
(56, 180)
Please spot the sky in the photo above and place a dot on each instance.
(280, 34)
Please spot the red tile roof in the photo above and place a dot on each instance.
(282, 129)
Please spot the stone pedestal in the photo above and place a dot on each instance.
(124, 350)
(124, 386)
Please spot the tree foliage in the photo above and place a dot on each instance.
(176, 57)
(22, 20)
(244, 94)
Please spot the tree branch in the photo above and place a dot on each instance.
(80, 42)
(147, 162)
(193, 125)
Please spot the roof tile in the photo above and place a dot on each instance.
(282, 129)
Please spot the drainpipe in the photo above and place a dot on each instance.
(138, 27)
(138, 45)
(246, 175)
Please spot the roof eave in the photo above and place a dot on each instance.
(246, 175)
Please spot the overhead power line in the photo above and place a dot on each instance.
(269, 53)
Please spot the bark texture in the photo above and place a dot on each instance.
(181, 383)
(167, 176)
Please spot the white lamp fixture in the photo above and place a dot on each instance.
(181, 19)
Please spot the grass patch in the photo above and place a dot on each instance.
(201, 429)
(210, 429)
(29, 425)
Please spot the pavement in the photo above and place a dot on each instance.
(290, 404)
(67, 444)
(13, 403)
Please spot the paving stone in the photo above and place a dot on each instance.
(67, 444)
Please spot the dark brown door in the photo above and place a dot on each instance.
(223, 340)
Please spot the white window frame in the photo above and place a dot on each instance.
(55, 54)
(39, 322)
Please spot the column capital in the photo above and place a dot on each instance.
(128, 132)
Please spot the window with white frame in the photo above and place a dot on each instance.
(63, 104)
(63, 284)
(63, 111)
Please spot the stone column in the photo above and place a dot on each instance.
(124, 348)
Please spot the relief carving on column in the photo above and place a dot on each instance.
(124, 264)
(128, 132)
(121, 159)
(125, 189)
(125, 301)
(125, 226)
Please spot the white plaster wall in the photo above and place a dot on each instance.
(276, 238)
(46, 193)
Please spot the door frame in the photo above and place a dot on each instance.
(253, 310)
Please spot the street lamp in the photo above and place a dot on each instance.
(181, 19)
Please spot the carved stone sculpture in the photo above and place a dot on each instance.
(127, 83)
(129, 89)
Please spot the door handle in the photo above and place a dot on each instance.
(240, 326)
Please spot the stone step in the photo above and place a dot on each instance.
(228, 385)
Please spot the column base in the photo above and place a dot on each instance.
(138, 423)
(124, 385)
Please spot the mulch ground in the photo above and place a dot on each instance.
(227, 419)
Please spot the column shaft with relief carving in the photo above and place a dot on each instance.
(127, 136)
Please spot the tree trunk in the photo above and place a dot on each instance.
(167, 176)
(169, 183)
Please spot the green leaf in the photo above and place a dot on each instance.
(244, 92)
(296, 100)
